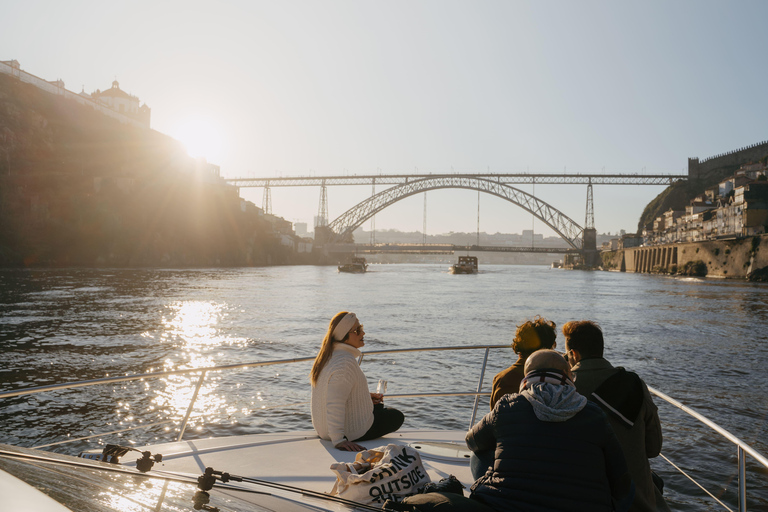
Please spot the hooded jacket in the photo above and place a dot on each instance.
(554, 451)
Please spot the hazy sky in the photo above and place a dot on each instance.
(360, 87)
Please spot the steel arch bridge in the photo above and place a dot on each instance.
(342, 227)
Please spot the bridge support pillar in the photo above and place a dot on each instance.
(589, 248)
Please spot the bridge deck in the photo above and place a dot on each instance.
(440, 249)
(520, 179)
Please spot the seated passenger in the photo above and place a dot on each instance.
(554, 448)
(627, 403)
(343, 410)
(530, 336)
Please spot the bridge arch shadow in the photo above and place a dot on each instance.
(342, 227)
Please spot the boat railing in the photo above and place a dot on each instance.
(743, 448)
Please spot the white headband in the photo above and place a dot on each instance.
(344, 326)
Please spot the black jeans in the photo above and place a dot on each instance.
(385, 420)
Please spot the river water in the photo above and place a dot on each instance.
(703, 342)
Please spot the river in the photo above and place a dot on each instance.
(703, 342)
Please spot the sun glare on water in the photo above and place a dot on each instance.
(201, 137)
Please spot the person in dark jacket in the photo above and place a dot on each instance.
(554, 449)
(530, 336)
(554, 452)
(627, 403)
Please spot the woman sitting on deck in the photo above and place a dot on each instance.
(343, 410)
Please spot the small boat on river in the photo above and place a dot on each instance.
(466, 265)
(273, 471)
(356, 266)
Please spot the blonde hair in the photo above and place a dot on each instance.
(326, 349)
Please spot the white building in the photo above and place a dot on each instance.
(122, 102)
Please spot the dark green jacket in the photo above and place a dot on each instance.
(639, 442)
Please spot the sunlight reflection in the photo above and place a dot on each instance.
(195, 327)
(134, 496)
(194, 322)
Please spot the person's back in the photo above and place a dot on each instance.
(544, 465)
(554, 450)
(628, 404)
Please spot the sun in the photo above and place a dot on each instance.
(201, 137)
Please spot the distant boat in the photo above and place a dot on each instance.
(466, 265)
(357, 266)
(557, 264)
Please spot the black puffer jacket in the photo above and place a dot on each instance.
(575, 465)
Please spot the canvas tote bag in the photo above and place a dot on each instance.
(389, 472)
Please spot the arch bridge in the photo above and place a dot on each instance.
(341, 229)
(405, 185)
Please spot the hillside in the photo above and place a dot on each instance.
(679, 195)
(80, 189)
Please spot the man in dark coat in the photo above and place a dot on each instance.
(531, 335)
(626, 401)
(554, 450)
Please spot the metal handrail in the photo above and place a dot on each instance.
(742, 447)
(714, 426)
(141, 376)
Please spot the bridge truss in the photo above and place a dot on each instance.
(509, 179)
(345, 224)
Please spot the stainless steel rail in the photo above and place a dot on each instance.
(742, 447)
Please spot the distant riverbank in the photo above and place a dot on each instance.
(742, 258)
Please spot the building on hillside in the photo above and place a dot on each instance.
(206, 172)
(737, 207)
(301, 228)
(304, 244)
(752, 171)
(727, 185)
(671, 227)
(13, 67)
(296, 243)
(707, 223)
(753, 200)
(628, 240)
(122, 102)
(248, 207)
(114, 102)
(279, 224)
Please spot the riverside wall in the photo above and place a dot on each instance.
(730, 259)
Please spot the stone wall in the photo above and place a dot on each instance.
(723, 258)
(741, 156)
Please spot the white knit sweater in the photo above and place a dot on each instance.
(341, 402)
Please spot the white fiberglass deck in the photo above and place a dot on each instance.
(301, 459)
